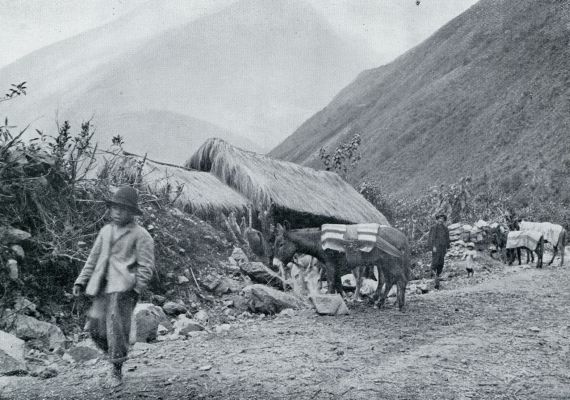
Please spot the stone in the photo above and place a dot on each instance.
(266, 300)
(81, 353)
(12, 267)
(9, 235)
(222, 328)
(158, 300)
(201, 316)
(162, 330)
(24, 306)
(185, 325)
(288, 312)
(173, 308)
(259, 273)
(239, 256)
(182, 279)
(12, 351)
(47, 335)
(145, 321)
(48, 373)
(329, 304)
(534, 329)
(18, 250)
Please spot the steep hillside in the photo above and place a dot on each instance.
(486, 94)
(255, 67)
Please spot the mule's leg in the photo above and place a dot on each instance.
(358, 272)
(401, 293)
(331, 277)
(554, 253)
(389, 280)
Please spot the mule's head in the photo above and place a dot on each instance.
(283, 248)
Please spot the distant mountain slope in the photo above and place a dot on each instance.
(487, 93)
(256, 68)
(164, 134)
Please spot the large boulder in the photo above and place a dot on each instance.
(44, 334)
(266, 300)
(329, 304)
(259, 273)
(12, 352)
(144, 325)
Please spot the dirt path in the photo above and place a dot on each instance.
(504, 338)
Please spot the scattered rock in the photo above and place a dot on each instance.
(205, 367)
(259, 273)
(288, 312)
(202, 316)
(329, 304)
(48, 373)
(266, 300)
(222, 328)
(18, 250)
(11, 355)
(162, 330)
(158, 300)
(182, 279)
(534, 329)
(185, 325)
(228, 303)
(173, 308)
(12, 266)
(81, 353)
(9, 235)
(144, 325)
(45, 334)
(239, 256)
(25, 306)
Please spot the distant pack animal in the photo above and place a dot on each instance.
(499, 236)
(553, 233)
(394, 268)
(530, 240)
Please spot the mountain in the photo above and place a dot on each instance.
(165, 135)
(256, 68)
(486, 95)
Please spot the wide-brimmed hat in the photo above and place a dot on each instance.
(126, 197)
(437, 216)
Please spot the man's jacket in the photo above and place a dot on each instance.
(439, 237)
(118, 264)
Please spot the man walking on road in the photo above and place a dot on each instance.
(439, 243)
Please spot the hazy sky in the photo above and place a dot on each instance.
(388, 26)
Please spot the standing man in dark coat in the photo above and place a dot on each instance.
(439, 243)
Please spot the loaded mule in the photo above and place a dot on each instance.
(530, 240)
(552, 233)
(391, 254)
(499, 236)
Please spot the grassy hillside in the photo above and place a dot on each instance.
(486, 95)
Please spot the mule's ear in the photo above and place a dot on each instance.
(278, 227)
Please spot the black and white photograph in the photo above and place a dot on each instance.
(284, 199)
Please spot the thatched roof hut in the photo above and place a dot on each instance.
(193, 191)
(301, 195)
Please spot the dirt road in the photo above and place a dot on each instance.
(505, 337)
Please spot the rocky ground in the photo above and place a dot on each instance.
(500, 335)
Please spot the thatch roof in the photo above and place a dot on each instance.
(193, 191)
(306, 195)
